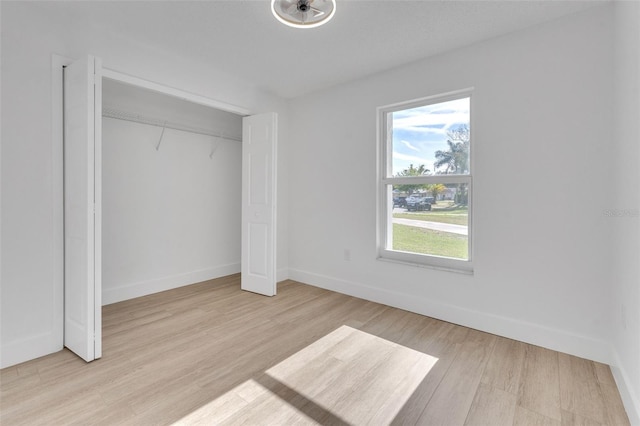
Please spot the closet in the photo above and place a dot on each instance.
(171, 192)
(159, 188)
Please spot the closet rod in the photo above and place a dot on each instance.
(135, 118)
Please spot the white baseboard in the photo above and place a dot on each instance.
(143, 288)
(630, 400)
(29, 348)
(551, 338)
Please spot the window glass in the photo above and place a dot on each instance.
(431, 139)
(426, 182)
(430, 219)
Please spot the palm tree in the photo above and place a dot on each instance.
(411, 171)
(456, 159)
(414, 171)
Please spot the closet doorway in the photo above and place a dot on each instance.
(171, 192)
(162, 188)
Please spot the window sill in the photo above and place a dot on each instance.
(440, 264)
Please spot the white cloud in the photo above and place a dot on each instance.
(436, 119)
(408, 145)
(435, 123)
(416, 160)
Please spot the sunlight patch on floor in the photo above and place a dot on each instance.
(345, 377)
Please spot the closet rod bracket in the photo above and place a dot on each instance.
(161, 135)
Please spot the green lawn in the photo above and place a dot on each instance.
(427, 241)
(444, 212)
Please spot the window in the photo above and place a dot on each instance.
(425, 182)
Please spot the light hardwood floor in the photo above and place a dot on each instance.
(212, 354)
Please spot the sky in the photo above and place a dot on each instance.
(419, 132)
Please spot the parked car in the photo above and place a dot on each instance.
(419, 203)
(400, 202)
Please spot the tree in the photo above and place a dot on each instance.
(456, 159)
(462, 194)
(412, 171)
(435, 190)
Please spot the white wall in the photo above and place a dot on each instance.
(171, 215)
(547, 269)
(625, 222)
(31, 288)
(542, 139)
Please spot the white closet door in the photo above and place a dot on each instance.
(82, 207)
(259, 140)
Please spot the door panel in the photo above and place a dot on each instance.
(258, 179)
(82, 284)
(259, 141)
(258, 245)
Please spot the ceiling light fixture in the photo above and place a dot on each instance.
(303, 13)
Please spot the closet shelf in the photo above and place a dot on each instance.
(137, 118)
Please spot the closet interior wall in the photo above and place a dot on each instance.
(171, 192)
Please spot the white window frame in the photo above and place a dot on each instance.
(386, 180)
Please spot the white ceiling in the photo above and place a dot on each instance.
(242, 38)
